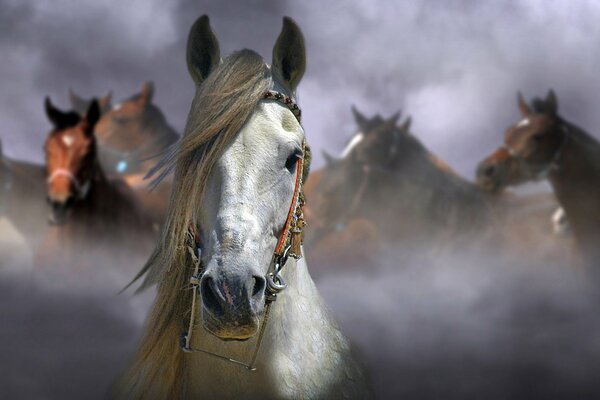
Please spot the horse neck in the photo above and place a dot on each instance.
(299, 336)
(576, 183)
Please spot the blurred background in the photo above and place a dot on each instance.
(465, 317)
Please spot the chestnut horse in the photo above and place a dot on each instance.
(95, 221)
(543, 145)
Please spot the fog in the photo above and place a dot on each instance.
(468, 323)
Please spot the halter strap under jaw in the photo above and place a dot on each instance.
(288, 245)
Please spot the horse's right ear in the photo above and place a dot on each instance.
(405, 127)
(104, 102)
(360, 119)
(93, 115)
(203, 53)
(523, 107)
(289, 54)
(77, 102)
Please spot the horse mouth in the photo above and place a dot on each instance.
(238, 329)
(58, 216)
(489, 185)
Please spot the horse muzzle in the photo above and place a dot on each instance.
(59, 211)
(232, 304)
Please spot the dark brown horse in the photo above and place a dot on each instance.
(95, 220)
(542, 145)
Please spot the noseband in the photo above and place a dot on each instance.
(288, 245)
(82, 189)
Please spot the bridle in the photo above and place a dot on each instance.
(288, 245)
(552, 165)
(82, 189)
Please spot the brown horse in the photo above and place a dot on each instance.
(22, 193)
(95, 220)
(130, 135)
(542, 145)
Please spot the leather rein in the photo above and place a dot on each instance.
(288, 245)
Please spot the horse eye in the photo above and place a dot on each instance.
(290, 163)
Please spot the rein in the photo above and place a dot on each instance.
(288, 245)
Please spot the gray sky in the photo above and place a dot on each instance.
(454, 65)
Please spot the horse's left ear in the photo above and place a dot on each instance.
(405, 127)
(147, 93)
(289, 54)
(104, 102)
(551, 103)
(203, 52)
(92, 116)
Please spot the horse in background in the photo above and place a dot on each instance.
(81, 105)
(390, 190)
(130, 136)
(543, 145)
(23, 207)
(237, 170)
(97, 225)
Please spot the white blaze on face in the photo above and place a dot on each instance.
(68, 140)
(523, 122)
(249, 191)
(356, 139)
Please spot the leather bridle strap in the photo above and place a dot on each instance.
(287, 245)
(81, 189)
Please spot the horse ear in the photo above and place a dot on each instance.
(55, 116)
(146, 93)
(203, 53)
(523, 107)
(405, 127)
(551, 103)
(77, 102)
(104, 102)
(360, 119)
(392, 121)
(92, 116)
(289, 54)
(329, 159)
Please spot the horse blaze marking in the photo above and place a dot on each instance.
(68, 140)
(228, 295)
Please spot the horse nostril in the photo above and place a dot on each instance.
(489, 170)
(259, 285)
(209, 296)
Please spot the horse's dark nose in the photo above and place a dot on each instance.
(223, 294)
(489, 170)
(59, 210)
(232, 303)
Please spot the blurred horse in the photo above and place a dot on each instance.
(81, 105)
(22, 194)
(95, 220)
(542, 145)
(130, 136)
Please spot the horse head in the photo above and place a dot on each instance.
(70, 158)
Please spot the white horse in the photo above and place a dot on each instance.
(237, 171)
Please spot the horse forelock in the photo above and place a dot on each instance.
(223, 104)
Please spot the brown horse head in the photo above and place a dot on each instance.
(537, 139)
(498, 171)
(70, 158)
(81, 105)
(132, 132)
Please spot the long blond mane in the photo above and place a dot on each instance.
(222, 105)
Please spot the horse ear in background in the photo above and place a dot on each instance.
(81, 105)
(523, 107)
(58, 118)
(551, 103)
(289, 54)
(405, 126)
(91, 117)
(360, 119)
(146, 94)
(203, 52)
